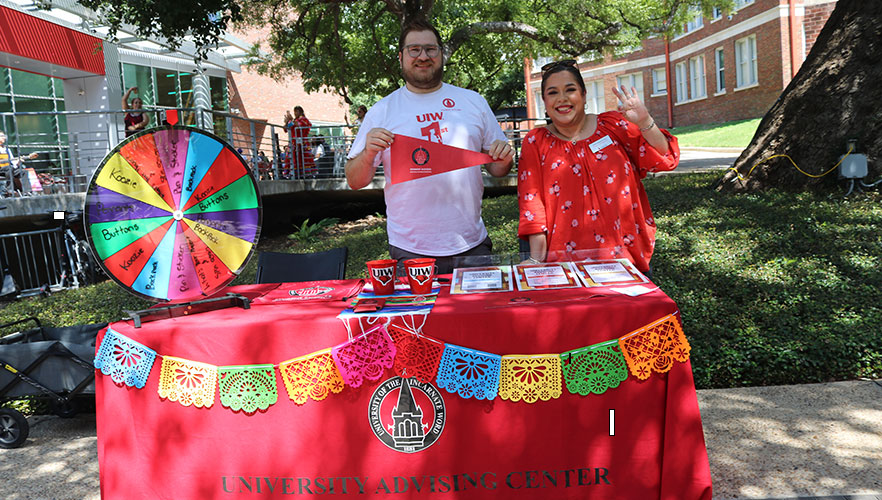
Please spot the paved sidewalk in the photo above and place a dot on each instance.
(706, 159)
(59, 461)
(795, 441)
(818, 441)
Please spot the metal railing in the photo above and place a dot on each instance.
(67, 159)
(46, 260)
(34, 260)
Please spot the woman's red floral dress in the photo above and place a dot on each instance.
(589, 195)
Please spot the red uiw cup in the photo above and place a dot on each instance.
(382, 275)
(419, 274)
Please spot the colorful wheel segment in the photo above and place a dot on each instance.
(173, 214)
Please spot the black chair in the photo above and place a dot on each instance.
(523, 249)
(275, 267)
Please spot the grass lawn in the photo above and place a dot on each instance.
(774, 288)
(735, 134)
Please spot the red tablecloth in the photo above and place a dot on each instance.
(157, 449)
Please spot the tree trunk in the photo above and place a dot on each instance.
(836, 96)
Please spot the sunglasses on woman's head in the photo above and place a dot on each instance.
(566, 63)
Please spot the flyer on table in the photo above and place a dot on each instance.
(482, 279)
(546, 276)
(608, 272)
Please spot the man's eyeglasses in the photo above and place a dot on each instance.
(414, 51)
(566, 63)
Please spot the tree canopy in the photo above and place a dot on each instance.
(350, 46)
(204, 21)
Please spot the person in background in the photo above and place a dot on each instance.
(362, 110)
(437, 216)
(580, 177)
(286, 162)
(135, 120)
(298, 130)
(318, 148)
(10, 168)
(325, 156)
(264, 166)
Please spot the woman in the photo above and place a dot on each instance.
(579, 178)
(298, 128)
(134, 120)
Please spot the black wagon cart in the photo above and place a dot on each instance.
(47, 364)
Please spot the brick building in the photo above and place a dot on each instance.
(262, 98)
(723, 68)
(61, 62)
(259, 97)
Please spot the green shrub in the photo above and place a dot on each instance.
(307, 232)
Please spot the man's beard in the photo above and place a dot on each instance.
(429, 81)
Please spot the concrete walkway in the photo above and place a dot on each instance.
(706, 159)
(820, 441)
(795, 441)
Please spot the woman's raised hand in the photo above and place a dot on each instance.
(632, 107)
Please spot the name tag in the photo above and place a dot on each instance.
(600, 144)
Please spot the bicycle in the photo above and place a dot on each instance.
(79, 267)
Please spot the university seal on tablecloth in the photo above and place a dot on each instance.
(406, 415)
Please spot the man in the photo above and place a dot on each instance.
(9, 171)
(437, 216)
(362, 110)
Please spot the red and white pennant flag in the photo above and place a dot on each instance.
(414, 158)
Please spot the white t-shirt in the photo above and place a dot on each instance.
(438, 215)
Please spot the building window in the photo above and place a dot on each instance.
(680, 73)
(141, 77)
(170, 88)
(741, 3)
(717, 14)
(721, 70)
(186, 99)
(695, 22)
(219, 96)
(697, 86)
(595, 102)
(166, 87)
(633, 80)
(539, 62)
(659, 81)
(540, 104)
(745, 62)
(219, 102)
(23, 92)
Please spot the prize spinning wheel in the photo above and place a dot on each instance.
(173, 214)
